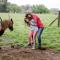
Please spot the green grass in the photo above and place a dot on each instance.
(50, 36)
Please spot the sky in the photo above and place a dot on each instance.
(48, 3)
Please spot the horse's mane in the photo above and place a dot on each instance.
(4, 25)
(5, 22)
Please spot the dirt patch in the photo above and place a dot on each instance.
(28, 54)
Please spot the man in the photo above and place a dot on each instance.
(40, 27)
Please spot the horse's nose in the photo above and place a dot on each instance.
(1, 32)
(12, 29)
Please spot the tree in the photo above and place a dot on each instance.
(13, 8)
(40, 9)
(24, 8)
(3, 4)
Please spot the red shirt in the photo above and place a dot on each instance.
(38, 20)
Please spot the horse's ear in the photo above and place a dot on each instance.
(11, 20)
(0, 18)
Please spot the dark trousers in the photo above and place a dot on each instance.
(40, 30)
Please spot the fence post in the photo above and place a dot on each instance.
(59, 19)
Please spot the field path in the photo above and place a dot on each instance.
(28, 54)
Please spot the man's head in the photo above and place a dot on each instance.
(29, 16)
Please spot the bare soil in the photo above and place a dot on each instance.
(28, 54)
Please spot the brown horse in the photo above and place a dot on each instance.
(6, 24)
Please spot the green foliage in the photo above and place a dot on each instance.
(3, 6)
(8, 7)
(13, 8)
(40, 9)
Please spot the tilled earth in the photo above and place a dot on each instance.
(28, 54)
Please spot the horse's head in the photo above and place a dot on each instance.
(11, 25)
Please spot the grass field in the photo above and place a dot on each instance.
(50, 36)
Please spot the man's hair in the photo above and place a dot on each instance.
(26, 21)
(29, 16)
